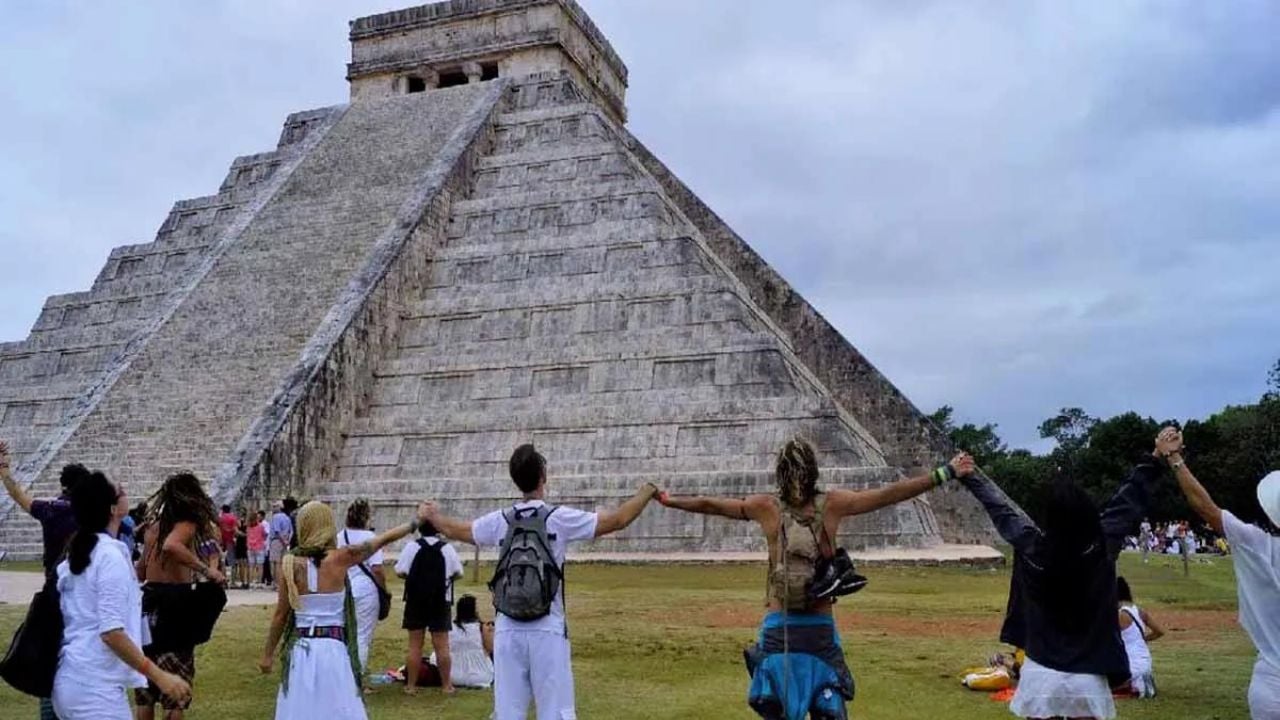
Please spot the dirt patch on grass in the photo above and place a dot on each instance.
(1184, 623)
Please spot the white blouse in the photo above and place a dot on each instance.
(104, 597)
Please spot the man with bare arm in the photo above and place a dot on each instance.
(531, 643)
(181, 520)
(1256, 556)
(798, 666)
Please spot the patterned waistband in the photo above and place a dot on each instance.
(332, 632)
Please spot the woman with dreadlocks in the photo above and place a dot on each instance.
(1062, 596)
(315, 617)
(181, 523)
(798, 666)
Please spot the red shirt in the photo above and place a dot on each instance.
(227, 523)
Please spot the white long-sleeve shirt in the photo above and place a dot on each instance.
(103, 598)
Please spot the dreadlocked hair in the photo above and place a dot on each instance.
(181, 499)
(797, 472)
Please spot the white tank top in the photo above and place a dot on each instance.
(1135, 643)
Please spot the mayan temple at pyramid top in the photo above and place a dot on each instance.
(471, 254)
(453, 43)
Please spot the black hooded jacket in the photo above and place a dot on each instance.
(1078, 632)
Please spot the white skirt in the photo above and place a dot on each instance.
(320, 684)
(1045, 693)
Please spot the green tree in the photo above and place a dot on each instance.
(1069, 428)
(982, 442)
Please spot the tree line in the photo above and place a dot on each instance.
(1229, 451)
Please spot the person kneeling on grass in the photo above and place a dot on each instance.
(798, 667)
(1137, 628)
(429, 566)
(1062, 595)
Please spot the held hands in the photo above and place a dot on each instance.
(427, 511)
(963, 465)
(1168, 442)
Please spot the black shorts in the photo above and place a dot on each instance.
(436, 617)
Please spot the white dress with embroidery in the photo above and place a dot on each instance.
(321, 684)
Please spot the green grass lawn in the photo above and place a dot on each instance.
(665, 642)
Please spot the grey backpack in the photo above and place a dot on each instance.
(527, 577)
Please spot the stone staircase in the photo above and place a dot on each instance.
(572, 306)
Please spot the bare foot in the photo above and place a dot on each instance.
(450, 690)
(410, 690)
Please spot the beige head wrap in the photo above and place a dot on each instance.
(317, 534)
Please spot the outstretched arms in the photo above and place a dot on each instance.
(19, 495)
(1010, 521)
(751, 507)
(611, 521)
(450, 527)
(856, 502)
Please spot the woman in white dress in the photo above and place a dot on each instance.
(321, 665)
(367, 578)
(471, 645)
(101, 604)
(1137, 628)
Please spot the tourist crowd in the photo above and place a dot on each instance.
(139, 589)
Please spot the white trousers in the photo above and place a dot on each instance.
(532, 665)
(76, 699)
(1264, 692)
(365, 596)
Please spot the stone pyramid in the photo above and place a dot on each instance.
(473, 253)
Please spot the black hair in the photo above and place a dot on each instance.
(426, 529)
(1123, 592)
(528, 468)
(226, 508)
(181, 499)
(1072, 547)
(358, 514)
(466, 611)
(72, 474)
(289, 505)
(262, 514)
(92, 499)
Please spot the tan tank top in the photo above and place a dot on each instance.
(794, 557)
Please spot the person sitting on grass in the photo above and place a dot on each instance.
(471, 647)
(1137, 628)
(429, 566)
(531, 641)
(1255, 553)
(315, 618)
(798, 667)
(1062, 596)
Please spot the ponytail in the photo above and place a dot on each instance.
(91, 501)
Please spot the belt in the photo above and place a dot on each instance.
(332, 632)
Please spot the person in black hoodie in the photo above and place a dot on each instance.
(1062, 596)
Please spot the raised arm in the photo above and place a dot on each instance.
(611, 521)
(1010, 521)
(856, 502)
(1197, 497)
(1132, 502)
(353, 555)
(19, 495)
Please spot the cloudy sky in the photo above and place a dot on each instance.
(1008, 206)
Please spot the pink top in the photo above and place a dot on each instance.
(257, 536)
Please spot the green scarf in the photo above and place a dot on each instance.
(348, 624)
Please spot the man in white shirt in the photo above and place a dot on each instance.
(1256, 556)
(428, 603)
(531, 658)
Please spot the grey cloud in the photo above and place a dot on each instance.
(1008, 206)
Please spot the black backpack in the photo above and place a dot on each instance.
(427, 583)
(32, 659)
(527, 578)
